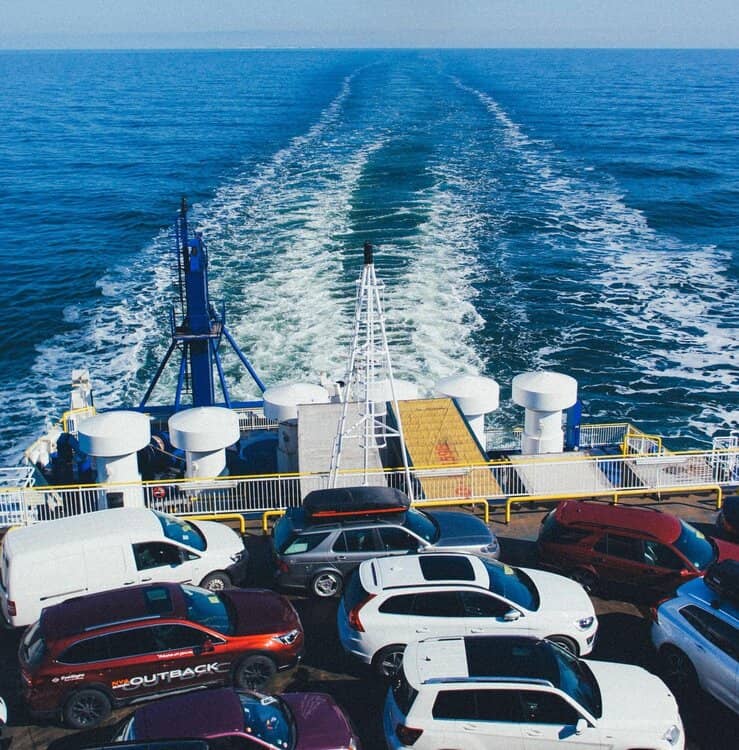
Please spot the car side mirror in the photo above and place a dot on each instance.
(512, 615)
(581, 726)
(207, 646)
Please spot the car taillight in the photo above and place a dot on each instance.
(11, 608)
(283, 567)
(407, 735)
(354, 622)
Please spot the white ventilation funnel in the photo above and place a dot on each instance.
(475, 396)
(544, 395)
(204, 433)
(281, 404)
(113, 438)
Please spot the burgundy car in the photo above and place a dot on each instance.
(94, 652)
(641, 550)
(230, 720)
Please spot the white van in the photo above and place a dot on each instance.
(55, 560)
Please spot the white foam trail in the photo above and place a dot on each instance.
(654, 286)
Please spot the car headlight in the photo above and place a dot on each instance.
(352, 744)
(585, 623)
(672, 735)
(489, 549)
(287, 638)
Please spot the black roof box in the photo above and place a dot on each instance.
(349, 501)
(723, 578)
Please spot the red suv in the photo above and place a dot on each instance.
(638, 549)
(90, 653)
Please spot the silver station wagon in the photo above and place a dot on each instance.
(317, 546)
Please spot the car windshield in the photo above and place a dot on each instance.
(694, 545)
(181, 531)
(422, 524)
(513, 584)
(268, 718)
(576, 679)
(209, 609)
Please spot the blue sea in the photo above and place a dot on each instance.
(569, 210)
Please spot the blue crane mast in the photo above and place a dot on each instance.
(199, 334)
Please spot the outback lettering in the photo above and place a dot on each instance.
(157, 678)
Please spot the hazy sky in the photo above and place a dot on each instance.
(369, 23)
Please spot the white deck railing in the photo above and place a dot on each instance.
(544, 476)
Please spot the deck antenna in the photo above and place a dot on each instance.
(365, 379)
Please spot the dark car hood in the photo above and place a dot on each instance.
(460, 529)
(319, 722)
(262, 611)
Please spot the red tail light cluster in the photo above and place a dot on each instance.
(283, 567)
(11, 608)
(353, 617)
(407, 735)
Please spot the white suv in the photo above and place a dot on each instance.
(696, 635)
(392, 601)
(518, 693)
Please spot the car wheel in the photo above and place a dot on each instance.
(216, 581)
(389, 660)
(586, 578)
(85, 709)
(254, 672)
(326, 584)
(567, 643)
(678, 671)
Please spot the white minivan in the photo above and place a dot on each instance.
(52, 561)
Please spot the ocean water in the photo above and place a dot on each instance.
(571, 210)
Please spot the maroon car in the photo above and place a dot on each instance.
(90, 653)
(230, 720)
(640, 550)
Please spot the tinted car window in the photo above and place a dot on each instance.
(513, 584)
(357, 540)
(155, 555)
(178, 636)
(546, 708)
(498, 705)
(303, 543)
(92, 649)
(398, 605)
(438, 604)
(209, 609)
(394, 538)
(182, 531)
(455, 704)
(720, 633)
(557, 533)
(694, 545)
(422, 524)
(661, 556)
(130, 643)
(403, 693)
(624, 547)
(482, 605)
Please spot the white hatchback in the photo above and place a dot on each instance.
(517, 693)
(392, 601)
(696, 635)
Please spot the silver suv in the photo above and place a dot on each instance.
(318, 545)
